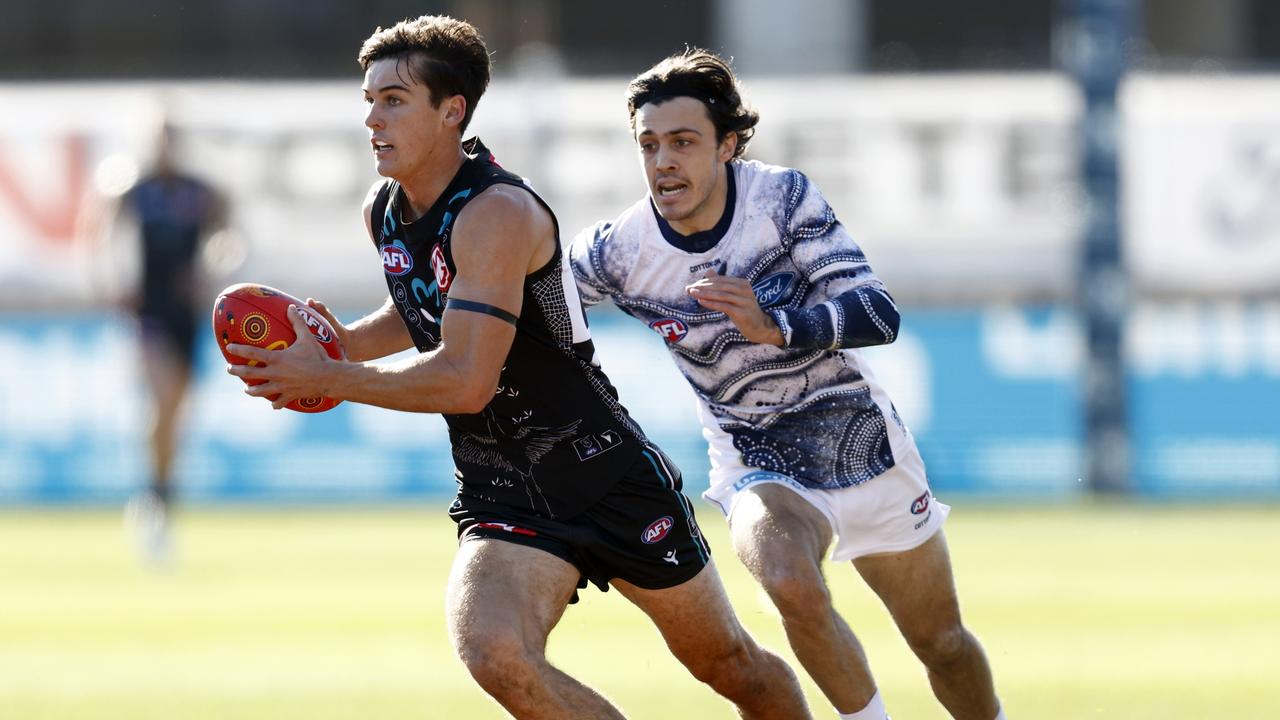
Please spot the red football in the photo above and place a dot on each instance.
(252, 314)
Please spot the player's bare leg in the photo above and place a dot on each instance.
(168, 376)
(918, 588)
(782, 539)
(701, 630)
(147, 513)
(503, 601)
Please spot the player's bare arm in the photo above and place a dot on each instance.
(500, 237)
(376, 335)
(734, 297)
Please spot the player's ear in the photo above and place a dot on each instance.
(455, 110)
(727, 147)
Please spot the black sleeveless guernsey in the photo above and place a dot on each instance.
(554, 438)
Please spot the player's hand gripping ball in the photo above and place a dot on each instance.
(252, 314)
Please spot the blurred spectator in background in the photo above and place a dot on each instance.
(172, 227)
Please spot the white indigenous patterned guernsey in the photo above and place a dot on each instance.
(811, 410)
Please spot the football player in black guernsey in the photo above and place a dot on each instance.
(557, 486)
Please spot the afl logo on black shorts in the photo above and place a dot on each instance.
(657, 530)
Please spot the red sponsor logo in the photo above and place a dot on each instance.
(657, 530)
(504, 527)
(441, 268)
(920, 504)
(396, 260)
(672, 330)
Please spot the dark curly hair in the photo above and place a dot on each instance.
(445, 54)
(704, 76)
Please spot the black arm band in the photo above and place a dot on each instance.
(483, 309)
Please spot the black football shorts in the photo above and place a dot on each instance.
(643, 531)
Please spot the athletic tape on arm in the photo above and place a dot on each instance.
(482, 308)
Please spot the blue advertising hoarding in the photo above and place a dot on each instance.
(991, 393)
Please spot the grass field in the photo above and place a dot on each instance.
(1117, 612)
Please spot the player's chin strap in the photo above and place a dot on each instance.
(482, 308)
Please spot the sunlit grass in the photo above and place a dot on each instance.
(1117, 612)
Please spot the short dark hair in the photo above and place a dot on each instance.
(701, 75)
(445, 54)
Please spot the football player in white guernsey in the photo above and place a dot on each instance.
(763, 299)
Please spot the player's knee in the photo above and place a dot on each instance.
(939, 645)
(734, 672)
(717, 668)
(799, 593)
(498, 661)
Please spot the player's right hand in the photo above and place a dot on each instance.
(735, 298)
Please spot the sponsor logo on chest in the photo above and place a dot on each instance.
(441, 268)
(773, 289)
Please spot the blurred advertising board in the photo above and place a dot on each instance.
(1202, 170)
(960, 187)
(991, 393)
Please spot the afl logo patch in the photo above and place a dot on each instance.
(441, 269)
(672, 330)
(316, 326)
(396, 260)
(920, 504)
(657, 530)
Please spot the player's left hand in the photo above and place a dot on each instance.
(734, 297)
(298, 371)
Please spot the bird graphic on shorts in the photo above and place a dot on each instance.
(536, 441)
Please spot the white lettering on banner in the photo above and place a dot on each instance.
(1029, 466)
(1197, 462)
(58, 388)
(1191, 339)
(1015, 347)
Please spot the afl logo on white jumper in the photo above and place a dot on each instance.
(672, 330)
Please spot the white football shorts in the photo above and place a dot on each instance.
(892, 512)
